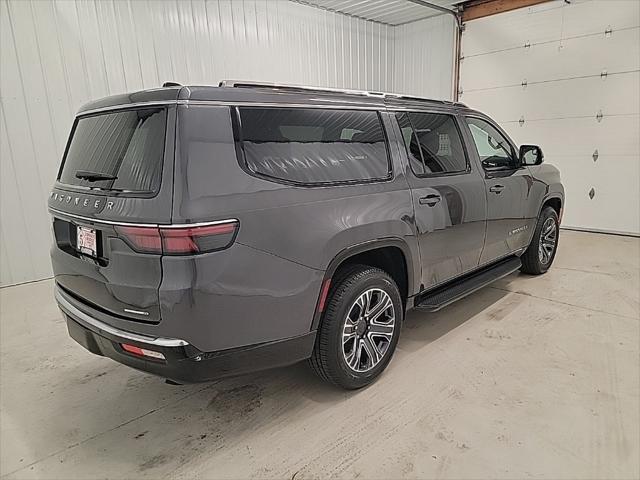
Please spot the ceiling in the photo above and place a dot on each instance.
(389, 12)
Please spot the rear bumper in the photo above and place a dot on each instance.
(183, 362)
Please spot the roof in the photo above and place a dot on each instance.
(234, 92)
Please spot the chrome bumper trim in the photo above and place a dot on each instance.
(78, 314)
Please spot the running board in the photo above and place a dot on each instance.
(455, 290)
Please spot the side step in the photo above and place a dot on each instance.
(455, 290)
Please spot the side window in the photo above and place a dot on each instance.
(493, 148)
(433, 143)
(313, 146)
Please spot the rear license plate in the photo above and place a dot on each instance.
(87, 241)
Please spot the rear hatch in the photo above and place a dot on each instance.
(116, 179)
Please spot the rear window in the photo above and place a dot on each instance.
(120, 151)
(313, 146)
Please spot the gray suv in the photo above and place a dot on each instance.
(202, 232)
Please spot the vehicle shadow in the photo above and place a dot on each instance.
(219, 419)
(422, 328)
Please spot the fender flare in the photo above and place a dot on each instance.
(545, 199)
(356, 249)
(550, 196)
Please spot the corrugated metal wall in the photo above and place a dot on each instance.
(56, 55)
(424, 57)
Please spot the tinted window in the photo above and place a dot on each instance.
(434, 141)
(494, 149)
(314, 145)
(126, 148)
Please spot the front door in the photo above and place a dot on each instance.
(508, 188)
(448, 196)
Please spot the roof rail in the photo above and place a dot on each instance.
(282, 86)
(422, 99)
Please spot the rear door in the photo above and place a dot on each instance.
(448, 195)
(116, 176)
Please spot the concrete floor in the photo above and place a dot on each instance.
(532, 377)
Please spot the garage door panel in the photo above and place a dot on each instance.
(616, 94)
(576, 58)
(540, 24)
(615, 205)
(559, 105)
(618, 190)
(580, 136)
(592, 16)
(578, 175)
(618, 52)
(546, 22)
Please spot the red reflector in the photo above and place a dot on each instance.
(143, 352)
(324, 292)
(132, 349)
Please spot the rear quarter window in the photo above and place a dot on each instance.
(125, 147)
(313, 146)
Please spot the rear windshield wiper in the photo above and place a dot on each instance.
(94, 176)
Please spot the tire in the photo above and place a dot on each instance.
(351, 365)
(543, 247)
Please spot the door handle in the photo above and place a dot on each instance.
(496, 189)
(430, 200)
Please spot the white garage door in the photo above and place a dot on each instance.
(566, 76)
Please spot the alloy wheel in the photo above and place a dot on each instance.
(368, 330)
(548, 241)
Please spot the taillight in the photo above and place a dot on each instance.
(198, 239)
(142, 239)
(176, 240)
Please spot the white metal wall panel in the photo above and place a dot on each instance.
(57, 55)
(424, 57)
(545, 73)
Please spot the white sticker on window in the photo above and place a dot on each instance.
(444, 145)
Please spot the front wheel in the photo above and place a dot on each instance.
(542, 250)
(360, 327)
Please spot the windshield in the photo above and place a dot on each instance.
(120, 151)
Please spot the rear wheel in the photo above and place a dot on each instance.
(542, 250)
(360, 327)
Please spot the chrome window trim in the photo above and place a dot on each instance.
(57, 213)
(78, 314)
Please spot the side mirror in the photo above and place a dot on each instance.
(531, 155)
